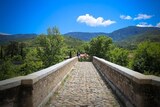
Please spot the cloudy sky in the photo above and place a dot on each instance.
(35, 16)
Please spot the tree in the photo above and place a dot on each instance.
(53, 31)
(99, 46)
(7, 70)
(119, 56)
(49, 31)
(12, 49)
(83, 48)
(31, 63)
(22, 46)
(25, 58)
(51, 48)
(147, 57)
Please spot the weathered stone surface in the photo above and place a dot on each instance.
(34, 89)
(10, 83)
(140, 90)
(83, 87)
(9, 92)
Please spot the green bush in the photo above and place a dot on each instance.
(147, 57)
(119, 56)
(7, 70)
(99, 46)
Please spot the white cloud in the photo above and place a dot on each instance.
(91, 21)
(158, 25)
(125, 17)
(143, 16)
(144, 24)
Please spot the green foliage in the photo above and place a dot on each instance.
(19, 58)
(99, 46)
(85, 48)
(119, 56)
(7, 70)
(147, 57)
(53, 31)
(151, 73)
(13, 49)
(31, 63)
(73, 45)
(102, 46)
(22, 58)
(73, 42)
(51, 49)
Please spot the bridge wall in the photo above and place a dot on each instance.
(34, 89)
(133, 89)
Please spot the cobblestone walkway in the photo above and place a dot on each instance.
(83, 87)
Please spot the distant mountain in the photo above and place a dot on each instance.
(5, 38)
(4, 34)
(153, 36)
(130, 31)
(86, 36)
(72, 42)
(132, 41)
(117, 35)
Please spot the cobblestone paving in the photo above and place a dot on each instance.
(83, 87)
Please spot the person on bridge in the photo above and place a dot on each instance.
(78, 54)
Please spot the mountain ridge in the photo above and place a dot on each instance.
(132, 41)
(5, 38)
(86, 36)
(117, 35)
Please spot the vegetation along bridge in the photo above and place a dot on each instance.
(81, 84)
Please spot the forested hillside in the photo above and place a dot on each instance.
(86, 36)
(34, 52)
(5, 39)
(127, 32)
(132, 41)
(73, 42)
(24, 57)
(117, 35)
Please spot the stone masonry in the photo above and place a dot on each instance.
(83, 87)
(133, 89)
(35, 89)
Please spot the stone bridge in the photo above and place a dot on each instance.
(81, 84)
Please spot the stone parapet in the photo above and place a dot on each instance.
(35, 89)
(133, 88)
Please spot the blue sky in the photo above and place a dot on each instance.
(35, 16)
